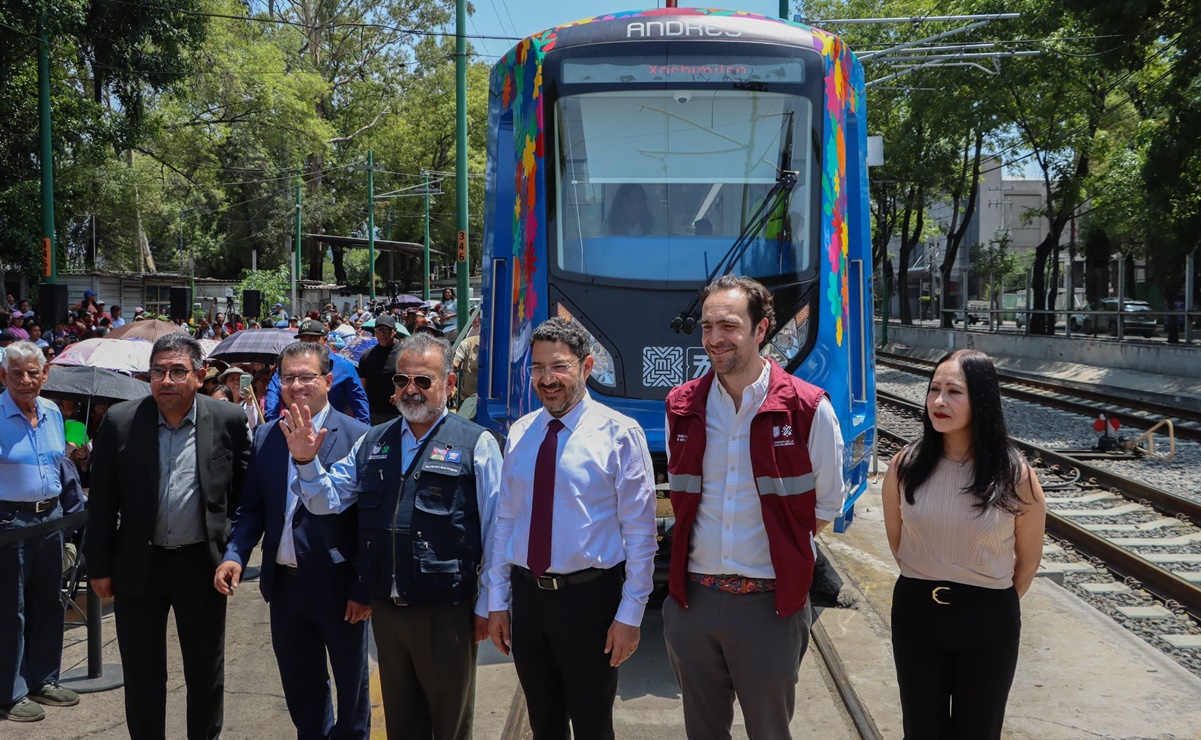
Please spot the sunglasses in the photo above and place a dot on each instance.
(423, 382)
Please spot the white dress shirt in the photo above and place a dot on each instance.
(286, 554)
(332, 491)
(604, 506)
(728, 536)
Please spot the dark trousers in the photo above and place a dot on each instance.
(31, 610)
(955, 660)
(735, 645)
(426, 669)
(558, 649)
(306, 626)
(180, 581)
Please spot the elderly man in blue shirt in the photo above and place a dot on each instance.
(32, 446)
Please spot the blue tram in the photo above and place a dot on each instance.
(636, 156)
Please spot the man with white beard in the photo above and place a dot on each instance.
(426, 486)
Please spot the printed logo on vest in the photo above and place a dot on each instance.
(446, 454)
(379, 451)
(454, 455)
(783, 436)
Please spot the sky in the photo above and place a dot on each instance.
(516, 19)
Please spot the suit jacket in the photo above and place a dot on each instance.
(123, 502)
(325, 545)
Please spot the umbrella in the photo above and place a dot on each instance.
(405, 299)
(148, 329)
(208, 345)
(127, 355)
(356, 348)
(253, 345)
(81, 383)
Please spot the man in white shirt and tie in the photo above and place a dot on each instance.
(574, 543)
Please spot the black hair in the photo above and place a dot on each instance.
(568, 332)
(997, 465)
(616, 218)
(423, 343)
(760, 304)
(222, 392)
(178, 342)
(300, 349)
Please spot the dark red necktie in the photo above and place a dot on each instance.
(543, 510)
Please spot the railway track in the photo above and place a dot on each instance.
(1137, 532)
(1140, 415)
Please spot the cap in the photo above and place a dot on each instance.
(7, 336)
(278, 305)
(429, 329)
(99, 302)
(89, 293)
(19, 315)
(231, 371)
(139, 309)
(311, 328)
(385, 321)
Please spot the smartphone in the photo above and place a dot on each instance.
(244, 381)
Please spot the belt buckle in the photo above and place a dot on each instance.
(934, 595)
(552, 580)
(42, 506)
(397, 601)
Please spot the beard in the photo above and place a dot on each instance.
(417, 410)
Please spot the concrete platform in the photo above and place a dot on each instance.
(1079, 674)
(1161, 373)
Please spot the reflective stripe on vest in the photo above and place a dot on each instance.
(785, 486)
(684, 483)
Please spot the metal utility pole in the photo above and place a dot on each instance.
(371, 220)
(426, 279)
(49, 263)
(297, 227)
(464, 263)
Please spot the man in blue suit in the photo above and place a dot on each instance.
(308, 574)
(346, 393)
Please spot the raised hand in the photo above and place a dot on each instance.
(304, 442)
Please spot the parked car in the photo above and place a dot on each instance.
(1137, 317)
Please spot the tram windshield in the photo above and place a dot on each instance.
(655, 185)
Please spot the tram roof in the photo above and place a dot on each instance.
(665, 24)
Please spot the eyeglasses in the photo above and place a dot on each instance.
(177, 374)
(424, 382)
(304, 378)
(560, 369)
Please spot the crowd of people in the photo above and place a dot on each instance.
(376, 507)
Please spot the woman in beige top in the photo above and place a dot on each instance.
(965, 517)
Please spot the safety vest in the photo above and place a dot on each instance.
(783, 476)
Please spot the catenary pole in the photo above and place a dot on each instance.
(464, 257)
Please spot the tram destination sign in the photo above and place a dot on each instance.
(683, 70)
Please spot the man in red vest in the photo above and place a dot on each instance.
(747, 507)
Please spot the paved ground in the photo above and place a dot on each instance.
(1079, 674)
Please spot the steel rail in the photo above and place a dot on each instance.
(1008, 381)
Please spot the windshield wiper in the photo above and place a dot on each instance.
(786, 180)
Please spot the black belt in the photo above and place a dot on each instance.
(177, 548)
(559, 581)
(36, 507)
(291, 570)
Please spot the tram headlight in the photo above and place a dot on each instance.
(788, 341)
(604, 371)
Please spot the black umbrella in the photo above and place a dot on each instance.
(83, 383)
(253, 345)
